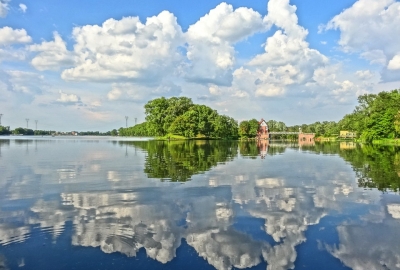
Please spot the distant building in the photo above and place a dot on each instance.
(347, 145)
(263, 131)
(347, 134)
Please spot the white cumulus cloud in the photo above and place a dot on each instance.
(126, 49)
(10, 36)
(394, 63)
(52, 54)
(23, 8)
(210, 42)
(288, 59)
(68, 98)
(370, 27)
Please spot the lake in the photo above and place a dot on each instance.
(111, 203)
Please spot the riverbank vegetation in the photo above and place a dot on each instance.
(376, 119)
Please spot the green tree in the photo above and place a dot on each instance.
(162, 112)
(225, 127)
(244, 128)
(397, 123)
(23, 131)
(253, 123)
(4, 130)
(114, 132)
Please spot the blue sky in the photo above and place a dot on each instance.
(85, 65)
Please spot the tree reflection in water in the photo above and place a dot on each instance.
(178, 161)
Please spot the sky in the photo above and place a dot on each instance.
(85, 65)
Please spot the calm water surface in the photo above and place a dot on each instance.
(104, 203)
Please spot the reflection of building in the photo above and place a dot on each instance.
(306, 139)
(263, 131)
(263, 146)
(347, 134)
(347, 145)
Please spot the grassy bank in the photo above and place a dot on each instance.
(387, 142)
(326, 139)
(173, 137)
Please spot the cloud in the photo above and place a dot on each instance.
(21, 87)
(394, 64)
(127, 49)
(70, 99)
(27, 83)
(214, 90)
(23, 8)
(10, 54)
(368, 28)
(52, 54)
(146, 53)
(4, 8)
(287, 60)
(10, 36)
(137, 92)
(226, 249)
(210, 42)
(383, 254)
(364, 74)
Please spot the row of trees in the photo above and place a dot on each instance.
(179, 116)
(377, 116)
(248, 128)
(27, 131)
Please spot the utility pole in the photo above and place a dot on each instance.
(0, 118)
(126, 121)
(135, 121)
(36, 123)
(27, 121)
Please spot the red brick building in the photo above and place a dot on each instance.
(263, 131)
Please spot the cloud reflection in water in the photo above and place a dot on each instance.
(113, 205)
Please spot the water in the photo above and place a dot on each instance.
(104, 203)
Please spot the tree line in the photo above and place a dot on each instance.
(178, 161)
(28, 131)
(377, 116)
